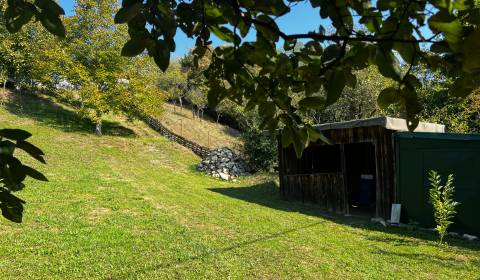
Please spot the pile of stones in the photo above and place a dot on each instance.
(223, 163)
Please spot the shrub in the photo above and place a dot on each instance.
(441, 198)
(259, 149)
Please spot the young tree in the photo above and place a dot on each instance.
(441, 198)
(93, 43)
(385, 33)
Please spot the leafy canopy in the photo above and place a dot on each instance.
(12, 171)
(385, 33)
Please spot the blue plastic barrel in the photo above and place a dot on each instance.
(366, 194)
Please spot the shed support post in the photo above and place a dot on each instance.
(346, 207)
(281, 167)
(378, 180)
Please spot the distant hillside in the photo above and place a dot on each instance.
(204, 131)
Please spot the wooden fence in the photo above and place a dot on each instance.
(197, 149)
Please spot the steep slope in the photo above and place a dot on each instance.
(203, 131)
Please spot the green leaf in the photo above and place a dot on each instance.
(314, 135)
(34, 173)
(15, 19)
(49, 7)
(161, 55)
(212, 11)
(7, 148)
(31, 150)
(287, 137)
(267, 109)
(440, 47)
(388, 64)
(412, 81)
(388, 97)
(134, 46)
(125, 14)
(222, 33)
(412, 123)
(471, 50)
(461, 87)
(350, 79)
(244, 27)
(273, 7)
(312, 102)
(215, 95)
(300, 139)
(449, 26)
(13, 171)
(335, 86)
(53, 24)
(267, 27)
(15, 134)
(408, 51)
(11, 206)
(330, 53)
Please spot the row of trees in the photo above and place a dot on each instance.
(84, 68)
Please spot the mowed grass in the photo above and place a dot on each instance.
(131, 206)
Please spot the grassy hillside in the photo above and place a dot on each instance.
(205, 131)
(129, 205)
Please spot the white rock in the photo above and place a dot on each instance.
(224, 176)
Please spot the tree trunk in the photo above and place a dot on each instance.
(181, 102)
(218, 117)
(98, 127)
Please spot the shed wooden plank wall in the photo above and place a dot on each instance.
(292, 181)
(326, 189)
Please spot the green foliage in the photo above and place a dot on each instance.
(174, 82)
(441, 198)
(13, 172)
(102, 81)
(259, 149)
(357, 102)
(47, 12)
(387, 34)
(14, 15)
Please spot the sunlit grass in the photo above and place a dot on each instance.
(129, 205)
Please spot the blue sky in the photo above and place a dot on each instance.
(303, 18)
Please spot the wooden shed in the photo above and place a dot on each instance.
(355, 174)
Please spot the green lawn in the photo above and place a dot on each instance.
(129, 205)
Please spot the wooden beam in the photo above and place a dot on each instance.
(345, 179)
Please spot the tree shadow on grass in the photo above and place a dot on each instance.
(49, 113)
(268, 195)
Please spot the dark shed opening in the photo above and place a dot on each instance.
(360, 178)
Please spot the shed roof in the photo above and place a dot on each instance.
(386, 122)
